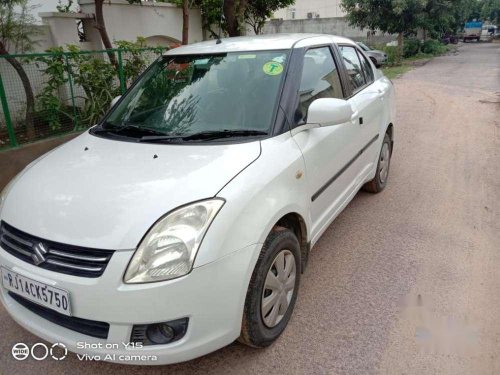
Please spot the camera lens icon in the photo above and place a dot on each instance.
(20, 351)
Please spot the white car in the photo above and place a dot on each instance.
(183, 221)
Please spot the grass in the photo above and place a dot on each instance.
(392, 72)
(395, 71)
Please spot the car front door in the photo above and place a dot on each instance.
(328, 151)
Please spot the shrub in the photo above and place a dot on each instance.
(392, 54)
(411, 47)
(433, 47)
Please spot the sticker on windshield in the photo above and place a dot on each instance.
(247, 56)
(272, 68)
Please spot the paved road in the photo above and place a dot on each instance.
(404, 282)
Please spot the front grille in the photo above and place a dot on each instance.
(68, 259)
(84, 326)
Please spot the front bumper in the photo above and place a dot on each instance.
(211, 296)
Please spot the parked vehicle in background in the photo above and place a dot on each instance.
(488, 32)
(472, 31)
(184, 219)
(447, 39)
(377, 57)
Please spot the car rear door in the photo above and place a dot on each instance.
(367, 98)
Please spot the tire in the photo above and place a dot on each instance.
(257, 329)
(379, 182)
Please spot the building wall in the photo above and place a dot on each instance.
(332, 26)
(126, 21)
(318, 8)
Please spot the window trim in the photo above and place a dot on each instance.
(361, 88)
(362, 56)
(340, 72)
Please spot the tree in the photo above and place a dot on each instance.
(211, 16)
(100, 25)
(185, 21)
(185, 5)
(490, 10)
(389, 16)
(234, 16)
(437, 18)
(16, 33)
(258, 11)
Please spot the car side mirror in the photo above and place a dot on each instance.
(329, 111)
(114, 101)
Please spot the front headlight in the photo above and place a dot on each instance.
(169, 248)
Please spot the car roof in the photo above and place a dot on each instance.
(258, 43)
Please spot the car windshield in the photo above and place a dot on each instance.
(182, 96)
(364, 46)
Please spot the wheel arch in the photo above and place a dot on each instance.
(296, 223)
(390, 133)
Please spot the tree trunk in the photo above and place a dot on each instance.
(30, 98)
(100, 25)
(185, 21)
(234, 12)
(399, 55)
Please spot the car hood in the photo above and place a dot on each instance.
(106, 194)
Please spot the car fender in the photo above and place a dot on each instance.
(272, 186)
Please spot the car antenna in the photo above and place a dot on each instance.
(220, 23)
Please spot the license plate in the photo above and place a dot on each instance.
(35, 291)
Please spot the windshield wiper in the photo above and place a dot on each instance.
(128, 127)
(214, 134)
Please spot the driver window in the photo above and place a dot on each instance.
(320, 79)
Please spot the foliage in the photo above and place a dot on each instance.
(433, 47)
(391, 16)
(393, 55)
(258, 11)
(136, 60)
(16, 35)
(64, 7)
(404, 17)
(17, 26)
(411, 47)
(96, 76)
(490, 10)
(49, 104)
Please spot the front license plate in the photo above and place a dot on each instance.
(35, 291)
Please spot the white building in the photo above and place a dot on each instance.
(303, 9)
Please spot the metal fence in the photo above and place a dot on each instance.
(49, 94)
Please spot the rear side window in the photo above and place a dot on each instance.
(367, 68)
(320, 79)
(353, 67)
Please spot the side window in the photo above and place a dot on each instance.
(353, 67)
(320, 79)
(367, 68)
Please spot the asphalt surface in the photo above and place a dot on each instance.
(403, 282)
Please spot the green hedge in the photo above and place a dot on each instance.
(411, 47)
(433, 47)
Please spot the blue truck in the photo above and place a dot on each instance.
(472, 31)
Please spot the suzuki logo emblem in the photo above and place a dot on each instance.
(39, 250)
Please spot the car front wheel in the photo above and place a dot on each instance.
(272, 291)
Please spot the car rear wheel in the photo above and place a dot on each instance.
(379, 182)
(272, 291)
